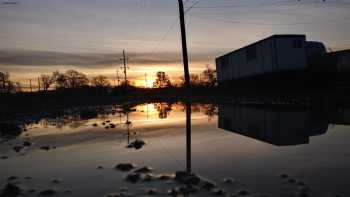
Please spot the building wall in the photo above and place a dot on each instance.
(267, 56)
(289, 56)
(343, 61)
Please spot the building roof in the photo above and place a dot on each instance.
(270, 37)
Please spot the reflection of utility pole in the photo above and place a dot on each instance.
(188, 138)
(125, 67)
(128, 126)
(118, 80)
(30, 85)
(147, 111)
(184, 43)
(146, 80)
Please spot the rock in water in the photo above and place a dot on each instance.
(188, 179)
(45, 148)
(48, 192)
(11, 178)
(113, 195)
(31, 190)
(284, 176)
(17, 148)
(228, 181)
(145, 169)
(291, 180)
(27, 143)
(4, 157)
(151, 191)
(125, 166)
(133, 178)
(243, 192)
(189, 189)
(208, 185)
(11, 190)
(137, 144)
(218, 192)
(56, 181)
(148, 177)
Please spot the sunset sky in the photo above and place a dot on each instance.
(41, 36)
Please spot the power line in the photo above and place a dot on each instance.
(250, 23)
(171, 27)
(280, 3)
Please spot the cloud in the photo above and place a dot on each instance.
(90, 60)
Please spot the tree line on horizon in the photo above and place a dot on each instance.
(72, 79)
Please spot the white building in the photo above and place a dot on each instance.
(273, 54)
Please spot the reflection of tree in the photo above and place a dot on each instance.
(210, 110)
(163, 109)
(73, 121)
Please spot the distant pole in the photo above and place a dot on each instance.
(184, 43)
(30, 85)
(39, 84)
(124, 63)
(146, 80)
(118, 80)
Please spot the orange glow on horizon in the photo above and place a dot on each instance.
(146, 83)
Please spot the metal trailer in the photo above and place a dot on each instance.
(273, 54)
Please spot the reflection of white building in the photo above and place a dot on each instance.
(272, 125)
(341, 116)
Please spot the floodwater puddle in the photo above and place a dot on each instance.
(227, 149)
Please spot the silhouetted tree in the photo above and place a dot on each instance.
(76, 79)
(209, 77)
(8, 86)
(194, 80)
(70, 79)
(163, 110)
(46, 81)
(100, 81)
(162, 80)
(59, 79)
(4, 79)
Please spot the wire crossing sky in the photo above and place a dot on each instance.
(39, 36)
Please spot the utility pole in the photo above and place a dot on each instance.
(30, 85)
(125, 67)
(38, 84)
(184, 43)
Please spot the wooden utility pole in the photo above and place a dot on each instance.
(184, 43)
(125, 67)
